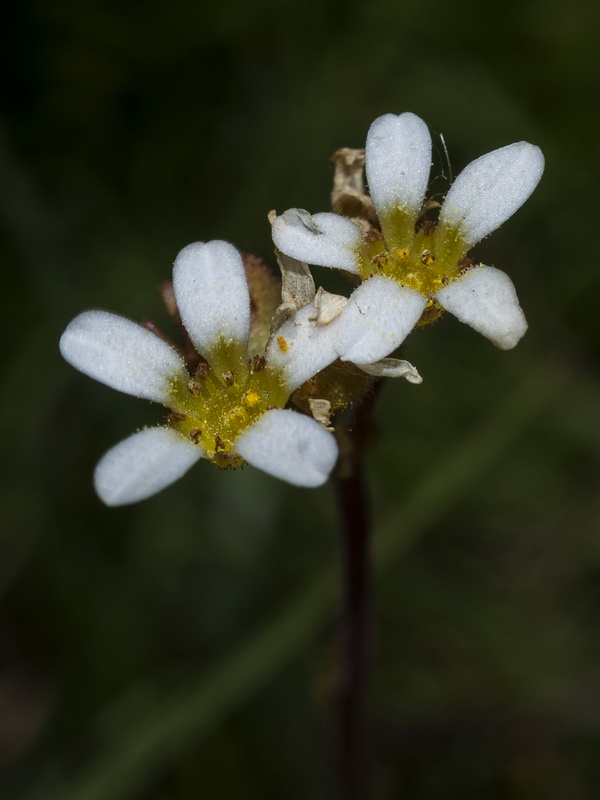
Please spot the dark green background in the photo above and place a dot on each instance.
(182, 648)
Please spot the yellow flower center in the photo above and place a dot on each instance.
(425, 260)
(214, 407)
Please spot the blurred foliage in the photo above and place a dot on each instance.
(182, 647)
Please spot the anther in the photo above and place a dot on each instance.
(202, 370)
(195, 435)
(251, 399)
(373, 235)
(175, 416)
(380, 260)
(426, 226)
(258, 363)
(465, 263)
(228, 378)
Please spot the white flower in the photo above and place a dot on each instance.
(230, 409)
(417, 263)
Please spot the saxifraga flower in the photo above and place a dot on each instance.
(231, 409)
(416, 262)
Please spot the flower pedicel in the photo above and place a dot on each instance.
(416, 264)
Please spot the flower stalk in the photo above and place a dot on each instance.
(355, 637)
(354, 753)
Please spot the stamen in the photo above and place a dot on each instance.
(380, 260)
(214, 412)
(195, 435)
(175, 416)
(251, 399)
(202, 370)
(237, 415)
(465, 264)
(258, 363)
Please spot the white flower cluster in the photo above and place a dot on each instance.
(231, 406)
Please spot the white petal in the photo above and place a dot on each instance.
(212, 294)
(289, 446)
(392, 368)
(301, 347)
(398, 160)
(377, 318)
(491, 188)
(142, 465)
(121, 354)
(485, 299)
(327, 240)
